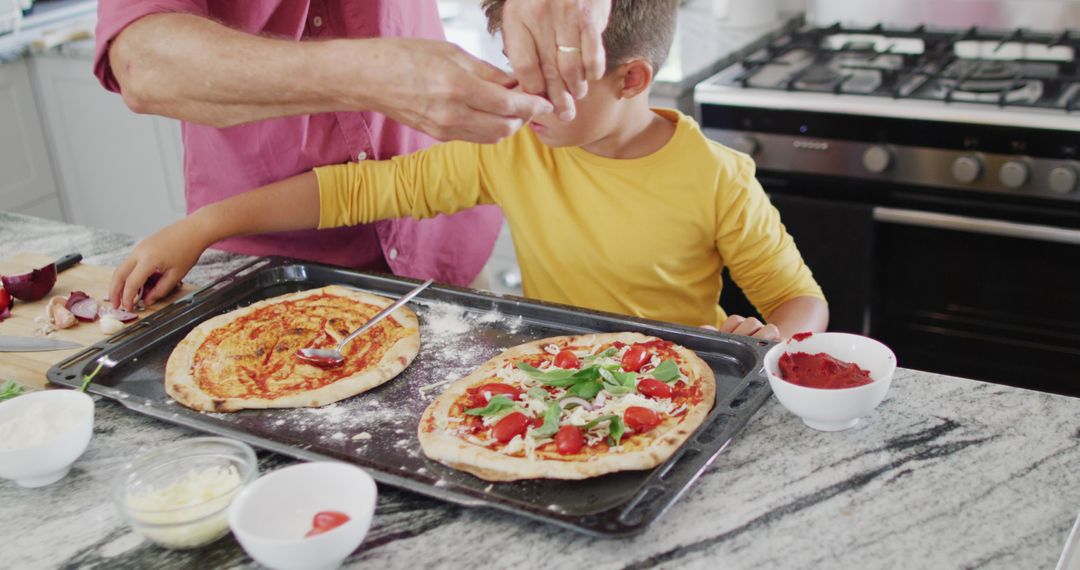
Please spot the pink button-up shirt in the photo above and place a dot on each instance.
(219, 163)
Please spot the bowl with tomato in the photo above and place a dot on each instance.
(830, 380)
(310, 515)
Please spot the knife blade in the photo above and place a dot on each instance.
(34, 344)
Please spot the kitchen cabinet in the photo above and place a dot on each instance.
(26, 180)
(114, 169)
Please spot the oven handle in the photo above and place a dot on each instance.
(976, 225)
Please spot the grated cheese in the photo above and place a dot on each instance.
(192, 499)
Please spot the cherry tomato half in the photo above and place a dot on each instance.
(489, 391)
(567, 359)
(634, 358)
(325, 521)
(654, 388)
(569, 440)
(640, 419)
(512, 425)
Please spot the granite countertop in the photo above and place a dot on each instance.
(946, 473)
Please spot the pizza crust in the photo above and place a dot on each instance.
(181, 385)
(441, 445)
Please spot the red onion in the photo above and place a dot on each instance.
(148, 286)
(74, 297)
(6, 302)
(599, 401)
(118, 314)
(575, 400)
(31, 286)
(4, 313)
(85, 310)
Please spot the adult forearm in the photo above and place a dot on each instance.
(801, 314)
(191, 68)
(288, 205)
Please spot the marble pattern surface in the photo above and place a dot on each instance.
(946, 473)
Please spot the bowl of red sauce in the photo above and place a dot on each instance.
(830, 380)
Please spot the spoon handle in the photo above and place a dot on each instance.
(384, 313)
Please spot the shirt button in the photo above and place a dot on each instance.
(317, 21)
(393, 253)
(361, 156)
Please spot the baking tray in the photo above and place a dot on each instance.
(460, 329)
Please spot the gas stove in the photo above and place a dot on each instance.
(979, 110)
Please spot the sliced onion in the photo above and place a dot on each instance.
(74, 297)
(107, 312)
(577, 401)
(85, 310)
(599, 401)
(31, 286)
(4, 313)
(148, 286)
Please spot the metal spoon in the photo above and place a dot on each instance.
(332, 358)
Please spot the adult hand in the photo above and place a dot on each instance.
(751, 327)
(533, 32)
(438, 88)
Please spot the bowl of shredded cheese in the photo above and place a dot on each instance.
(178, 496)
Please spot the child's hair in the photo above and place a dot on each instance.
(636, 28)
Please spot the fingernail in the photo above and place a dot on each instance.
(567, 115)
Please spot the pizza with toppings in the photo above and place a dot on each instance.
(247, 358)
(570, 407)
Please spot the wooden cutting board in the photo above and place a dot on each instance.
(29, 368)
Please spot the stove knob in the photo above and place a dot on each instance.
(1014, 174)
(1063, 179)
(877, 159)
(746, 144)
(967, 169)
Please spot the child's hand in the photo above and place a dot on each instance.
(171, 251)
(750, 327)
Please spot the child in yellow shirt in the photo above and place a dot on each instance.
(624, 209)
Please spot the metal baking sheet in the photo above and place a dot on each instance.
(460, 329)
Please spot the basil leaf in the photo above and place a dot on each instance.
(586, 390)
(605, 354)
(551, 422)
(617, 389)
(537, 374)
(538, 393)
(667, 371)
(616, 431)
(494, 406)
(597, 421)
(618, 383)
(9, 390)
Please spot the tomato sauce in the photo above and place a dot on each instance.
(821, 371)
(254, 355)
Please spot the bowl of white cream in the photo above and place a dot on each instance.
(42, 434)
(178, 496)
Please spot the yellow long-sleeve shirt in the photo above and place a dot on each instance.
(647, 237)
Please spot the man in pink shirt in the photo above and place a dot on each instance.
(272, 88)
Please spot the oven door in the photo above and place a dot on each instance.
(979, 298)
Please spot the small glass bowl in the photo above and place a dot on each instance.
(204, 518)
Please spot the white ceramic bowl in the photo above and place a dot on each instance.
(834, 409)
(204, 518)
(272, 515)
(50, 460)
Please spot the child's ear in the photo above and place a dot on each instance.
(637, 76)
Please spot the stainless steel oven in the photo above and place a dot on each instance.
(931, 184)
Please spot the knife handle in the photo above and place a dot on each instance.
(68, 261)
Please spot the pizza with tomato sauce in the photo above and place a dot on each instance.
(247, 358)
(570, 407)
